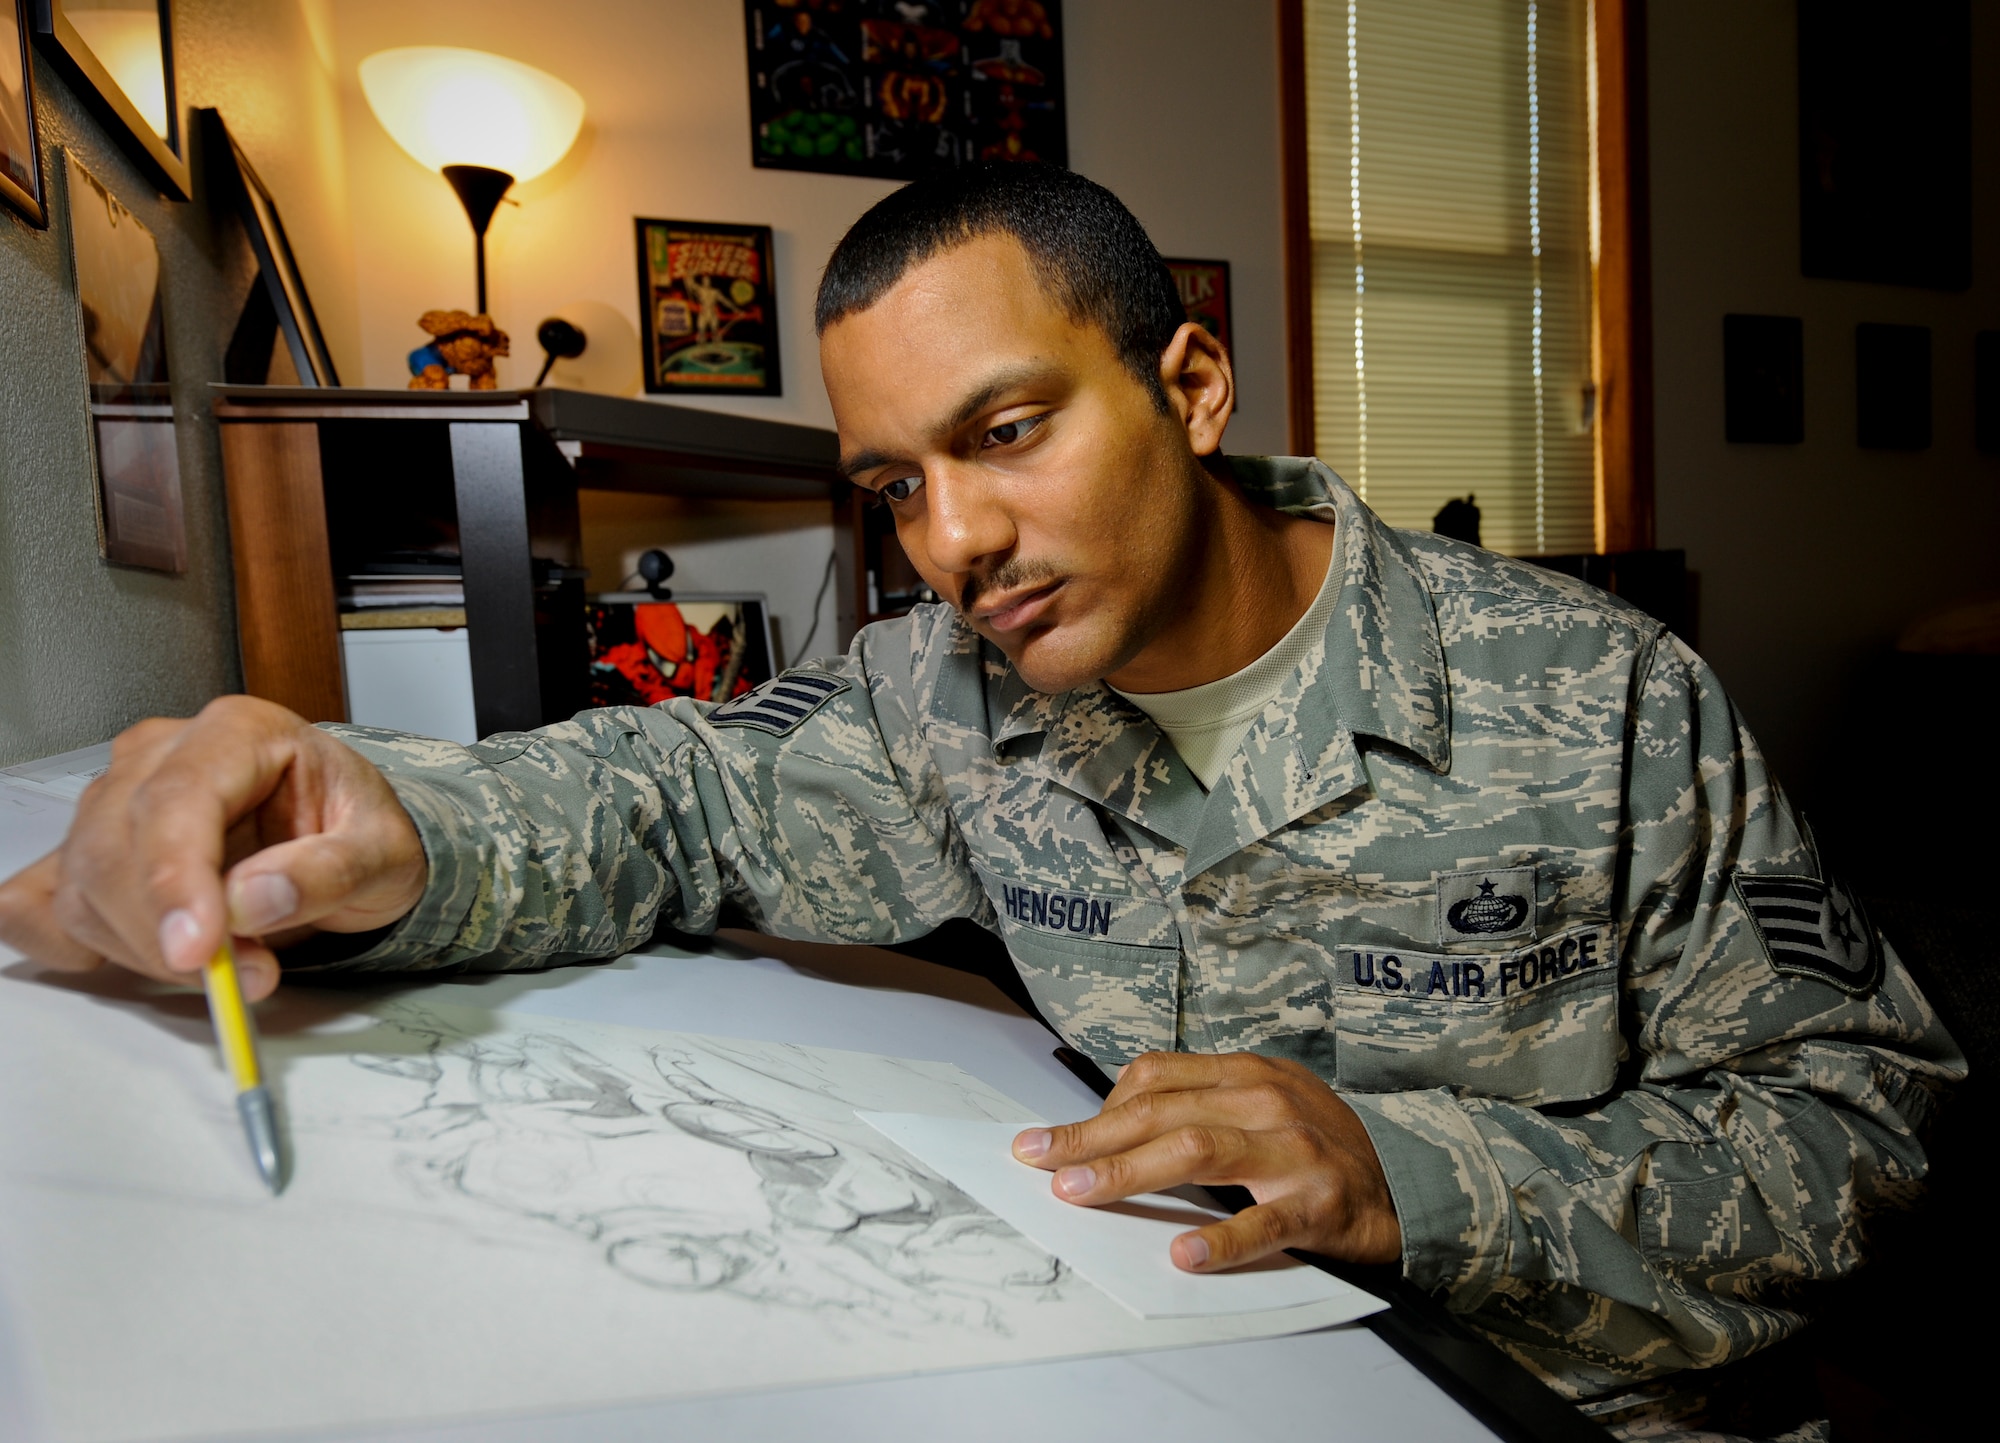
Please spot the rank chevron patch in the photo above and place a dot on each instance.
(781, 704)
(1814, 929)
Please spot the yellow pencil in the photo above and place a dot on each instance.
(236, 1036)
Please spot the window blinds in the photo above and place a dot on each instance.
(1448, 145)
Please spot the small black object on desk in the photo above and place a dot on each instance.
(560, 341)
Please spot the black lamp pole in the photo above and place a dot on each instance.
(480, 190)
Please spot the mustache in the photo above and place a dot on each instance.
(1014, 574)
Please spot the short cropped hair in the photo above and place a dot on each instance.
(1091, 254)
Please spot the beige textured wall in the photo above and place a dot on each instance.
(85, 647)
(1172, 105)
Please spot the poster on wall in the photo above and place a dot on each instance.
(140, 518)
(710, 308)
(1204, 288)
(897, 89)
(20, 160)
(644, 651)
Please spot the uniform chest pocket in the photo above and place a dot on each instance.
(1111, 1000)
(1104, 968)
(1535, 1024)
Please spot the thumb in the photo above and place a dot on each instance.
(340, 881)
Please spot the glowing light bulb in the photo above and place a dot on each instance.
(447, 106)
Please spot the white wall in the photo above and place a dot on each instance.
(1172, 104)
(1811, 557)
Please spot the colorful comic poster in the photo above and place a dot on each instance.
(711, 308)
(900, 88)
(1204, 288)
(643, 652)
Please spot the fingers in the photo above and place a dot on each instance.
(1153, 1115)
(171, 907)
(344, 881)
(1173, 1072)
(316, 834)
(28, 920)
(1264, 1123)
(1197, 1153)
(257, 970)
(1254, 1233)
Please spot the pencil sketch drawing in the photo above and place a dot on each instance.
(701, 1164)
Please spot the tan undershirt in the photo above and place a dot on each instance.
(1207, 723)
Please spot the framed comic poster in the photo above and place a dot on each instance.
(898, 91)
(118, 281)
(1204, 288)
(20, 156)
(644, 650)
(709, 308)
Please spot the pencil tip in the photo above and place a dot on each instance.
(260, 1126)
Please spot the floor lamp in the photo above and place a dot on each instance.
(483, 122)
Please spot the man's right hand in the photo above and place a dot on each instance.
(244, 821)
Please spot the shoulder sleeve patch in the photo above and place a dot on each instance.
(779, 705)
(1814, 929)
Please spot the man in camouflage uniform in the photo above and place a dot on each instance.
(1493, 947)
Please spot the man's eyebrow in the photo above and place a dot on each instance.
(995, 386)
(852, 466)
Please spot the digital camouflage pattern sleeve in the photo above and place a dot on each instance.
(1781, 1067)
(816, 812)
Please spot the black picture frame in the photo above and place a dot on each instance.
(21, 183)
(162, 156)
(279, 303)
(1885, 142)
(121, 296)
(678, 317)
(1763, 380)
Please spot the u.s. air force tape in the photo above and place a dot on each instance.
(779, 705)
(1812, 928)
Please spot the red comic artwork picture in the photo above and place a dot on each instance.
(652, 651)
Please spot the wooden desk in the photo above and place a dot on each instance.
(315, 476)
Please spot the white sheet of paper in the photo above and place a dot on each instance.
(1122, 1247)
(490, 1213)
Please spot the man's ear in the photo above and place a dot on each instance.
(1200, 386)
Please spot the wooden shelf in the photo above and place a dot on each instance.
(317, 475)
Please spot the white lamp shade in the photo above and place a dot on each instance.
(447, 106)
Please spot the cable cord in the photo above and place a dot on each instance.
(825, 581)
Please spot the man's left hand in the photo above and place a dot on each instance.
(1255, 1122)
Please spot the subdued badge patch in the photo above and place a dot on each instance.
(1486, 905)
(1815, 929)
(779, 705)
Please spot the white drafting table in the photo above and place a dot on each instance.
(1336, 1385)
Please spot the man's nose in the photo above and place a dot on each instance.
(967, 527)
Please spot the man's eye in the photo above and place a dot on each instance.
(901, 489)
(1012, 431)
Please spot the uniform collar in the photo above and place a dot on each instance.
(1380, 673)
(1383, 672)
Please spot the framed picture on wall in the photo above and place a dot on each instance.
(917, 87)
(709, 307)
(1204, 288)
(644, 650)
(278, 303)
(119, 56)
(20, 156)
(131, 404)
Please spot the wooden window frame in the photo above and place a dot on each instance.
(1622, 317)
